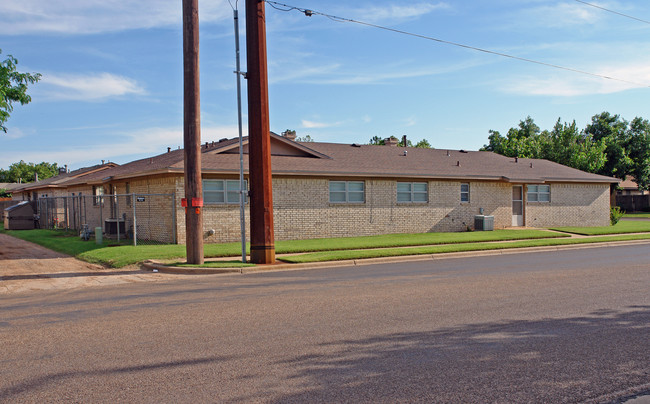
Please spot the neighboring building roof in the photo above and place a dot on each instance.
(350, 160)
(63, 180)
(629, 184)
(9, 186)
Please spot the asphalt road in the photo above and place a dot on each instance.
(567, 326)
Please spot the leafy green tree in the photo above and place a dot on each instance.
(13, 88)
(614, 132)
(638, 150)
(376, 140)
(4, 193)
(27, 172)
(423, 144)
(565, 144)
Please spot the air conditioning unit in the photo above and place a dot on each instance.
(483, 223)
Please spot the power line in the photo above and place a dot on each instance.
(309, 13)
(613, 12)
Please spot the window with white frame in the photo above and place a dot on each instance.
(539, 193)
(347, 192)
(222, 191)
(464, 192)
(98, 193)
(412, 192)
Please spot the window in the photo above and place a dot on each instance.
(464, 192)
(347, 192)
(222, 191)
(98, 193)
(539, 193)
(412, 192)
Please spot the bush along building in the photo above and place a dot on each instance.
(337, 190)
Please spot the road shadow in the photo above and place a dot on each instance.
(594, 358)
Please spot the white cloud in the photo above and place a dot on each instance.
(410, 121)
(560, 14)
(398, 12)
(572, 84)
(89, 87)
(96, 16)
(13, 133)
(317, 125)
(119, 147)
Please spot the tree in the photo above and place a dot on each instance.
(423, 144)
(13, 88)
(614, 132)
(565, 144)
(401, 143)
(376, 140)
(638, 149)
(305, 138)
(27, 172)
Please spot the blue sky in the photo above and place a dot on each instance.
(112, 72)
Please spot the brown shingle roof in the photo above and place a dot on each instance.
(345, 160)
(65, 179)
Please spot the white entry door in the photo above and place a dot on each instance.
(518, 205)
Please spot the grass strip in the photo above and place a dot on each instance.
(120, 256)
(407, 240)
(395, 252)
(621, 227)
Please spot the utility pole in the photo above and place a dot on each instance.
(193, 201)
(259, 137)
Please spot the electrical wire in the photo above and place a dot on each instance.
(310, 13)
(613, 12)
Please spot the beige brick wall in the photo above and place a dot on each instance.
(571, 205)
(302, 210)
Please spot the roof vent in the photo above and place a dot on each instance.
(405, 152)
(462, 151)
(448, 154)
(223, 140)
(458, 163)
(516, 159)
(169, 149)
(355, 145)
(531, 165)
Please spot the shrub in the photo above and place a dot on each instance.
(615, 215)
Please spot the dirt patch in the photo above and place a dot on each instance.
(28, 266)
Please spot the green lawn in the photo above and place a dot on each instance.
(330, 249)
(395, 252)
(121, 256)
(621, 227)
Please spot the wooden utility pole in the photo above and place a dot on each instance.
(259, 137)
(193, 201)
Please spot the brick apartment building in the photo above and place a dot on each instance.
(335, 190)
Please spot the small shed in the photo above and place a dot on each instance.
(19, 217)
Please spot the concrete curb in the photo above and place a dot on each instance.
(160, 267)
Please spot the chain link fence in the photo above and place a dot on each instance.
(136, 219)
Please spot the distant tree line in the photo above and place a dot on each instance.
(609, 145)
(28, 172)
